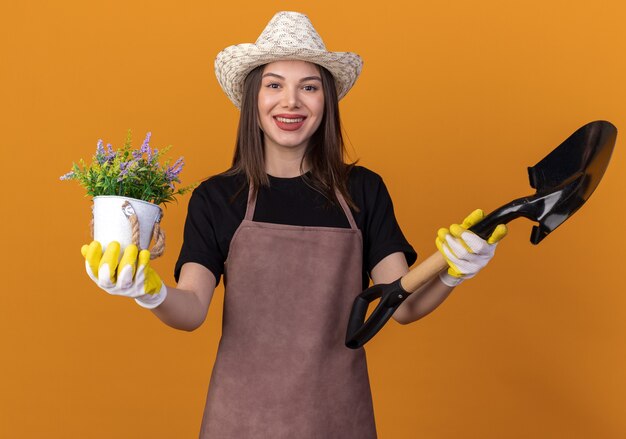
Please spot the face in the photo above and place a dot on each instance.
(291, 104)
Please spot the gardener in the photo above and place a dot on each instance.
(297, 234)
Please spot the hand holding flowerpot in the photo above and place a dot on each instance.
(132, 276)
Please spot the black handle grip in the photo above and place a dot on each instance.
(361, 331)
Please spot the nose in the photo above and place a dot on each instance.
(291, 98)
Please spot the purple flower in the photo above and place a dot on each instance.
(100, 155)
(110, 154)
(67, 176)
(145, 147)
(124, 167)
(172, 172)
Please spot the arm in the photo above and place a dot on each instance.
(186, 306)
(420, 302)
(466, 254)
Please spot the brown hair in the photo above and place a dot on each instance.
(325, 152)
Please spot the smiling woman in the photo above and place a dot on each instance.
(297, 234)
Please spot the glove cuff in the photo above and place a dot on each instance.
(450, 280)
(151, 301)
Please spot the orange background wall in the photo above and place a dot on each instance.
(455, 100)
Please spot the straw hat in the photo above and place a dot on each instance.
(288, 36)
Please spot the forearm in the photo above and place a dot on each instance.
(423, 301)
(186, 306)
(420, 302)
(181, 309)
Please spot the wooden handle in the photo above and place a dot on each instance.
(424, 272)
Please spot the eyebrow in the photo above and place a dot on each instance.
(307, 78)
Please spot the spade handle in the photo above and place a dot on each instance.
(424, 272)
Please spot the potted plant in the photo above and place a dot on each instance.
(128, 187)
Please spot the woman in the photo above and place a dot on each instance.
(297, 234)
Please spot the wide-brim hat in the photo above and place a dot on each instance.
(288, 36)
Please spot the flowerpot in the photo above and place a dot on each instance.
(112, 220)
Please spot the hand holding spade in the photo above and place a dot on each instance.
(465, 252)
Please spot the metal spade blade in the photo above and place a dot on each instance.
(564, 180)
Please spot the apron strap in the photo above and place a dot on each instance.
(346, 209)
(250, 207)
(251, 204)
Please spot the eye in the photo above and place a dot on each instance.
(310, 88)
(272, 85)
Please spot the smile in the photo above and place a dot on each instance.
(289, 120)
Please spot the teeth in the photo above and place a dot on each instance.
(285, 120)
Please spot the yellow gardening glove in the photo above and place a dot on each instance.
(466, 252)
(132, 276)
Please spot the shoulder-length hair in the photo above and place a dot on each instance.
(325, 152)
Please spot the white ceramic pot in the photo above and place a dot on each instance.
(111, 222)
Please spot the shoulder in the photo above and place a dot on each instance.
(363, 183)
(219, 190)
(363, 175)
(220, 185)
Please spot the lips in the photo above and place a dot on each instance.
(289, 122)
